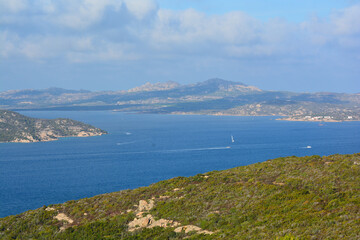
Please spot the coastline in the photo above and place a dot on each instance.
(52, 139)
(219, 114)
(314, 120)
(281, 118)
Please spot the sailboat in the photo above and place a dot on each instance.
(232, 139)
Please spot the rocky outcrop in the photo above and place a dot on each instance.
(63, 217)
(149, 221)
(145, 205)
(192, 228)
(145, 220)
(15, 127)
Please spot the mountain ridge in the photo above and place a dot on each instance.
(212, 97)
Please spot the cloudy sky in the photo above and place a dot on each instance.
(298, 45)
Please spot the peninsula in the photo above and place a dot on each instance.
(15, 127)
(286, 198)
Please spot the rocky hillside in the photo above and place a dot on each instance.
(286, 198)
(15, 127)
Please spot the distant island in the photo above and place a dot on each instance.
(287, 198)
(212, 97)
(15, 127)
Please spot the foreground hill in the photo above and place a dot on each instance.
(286, 198)
(214, 96)
(15, 127)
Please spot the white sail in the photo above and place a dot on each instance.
(232, 139)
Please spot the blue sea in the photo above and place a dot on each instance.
(143, 149)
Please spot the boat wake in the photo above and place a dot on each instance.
(173, 150)
(308, 147)
(193, 149)
(125, 143)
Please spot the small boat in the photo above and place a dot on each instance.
(232, 139)
(308, 146)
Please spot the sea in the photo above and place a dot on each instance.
(142, 149)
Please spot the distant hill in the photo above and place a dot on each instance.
(15, 127)
(214, 97)
(286, 198)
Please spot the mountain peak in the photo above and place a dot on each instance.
(160, 86)
(220, 81)
(218, 84)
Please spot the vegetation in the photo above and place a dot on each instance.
(286, 198)
(15, 127)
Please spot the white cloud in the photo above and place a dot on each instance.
(342, 30)
(107, 52)
(46, 6)
(7, 43)
(347, 21)
(42, 47)
(197, 31)
(234, 34)
(63, 29)
(13, 5)
(73, 49)
(84, 13)
(140, 8)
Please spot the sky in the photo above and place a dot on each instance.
(297, 45)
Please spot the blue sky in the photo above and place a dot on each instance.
(294, 11)
(119, 44)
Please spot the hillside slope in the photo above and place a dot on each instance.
(15, 127)
(286, 198)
